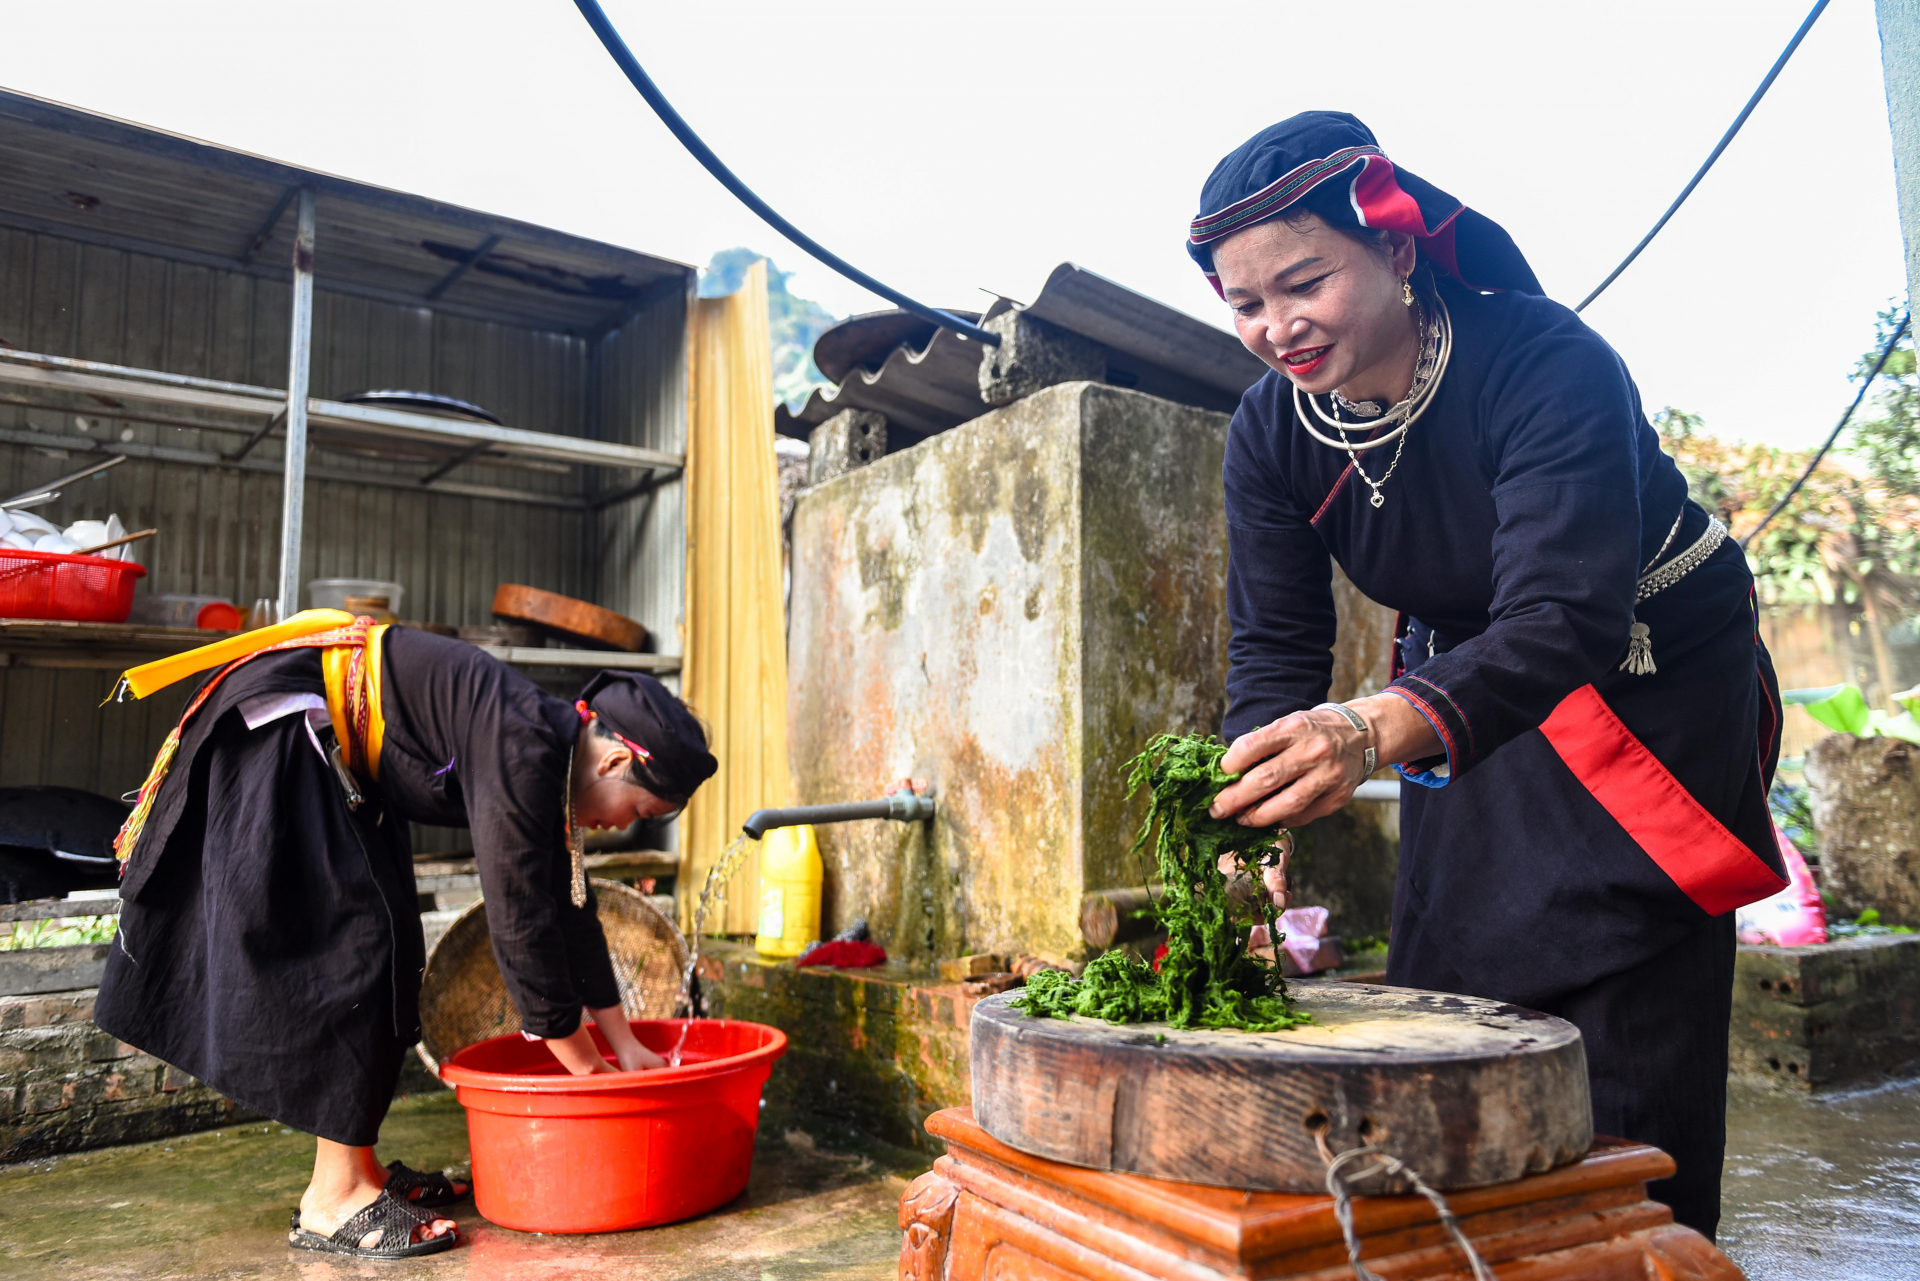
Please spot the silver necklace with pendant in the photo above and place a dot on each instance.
(1436, 349)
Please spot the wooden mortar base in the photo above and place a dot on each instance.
(987, 1211)
(1467, 1092)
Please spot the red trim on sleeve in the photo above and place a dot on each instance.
(1711, 865)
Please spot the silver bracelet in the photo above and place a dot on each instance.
(1358, 722)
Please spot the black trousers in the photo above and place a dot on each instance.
(1656, 1040)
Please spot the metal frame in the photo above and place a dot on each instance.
(293, 492)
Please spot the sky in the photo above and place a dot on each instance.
(953, 149)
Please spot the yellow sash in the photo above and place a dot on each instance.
(350, 650)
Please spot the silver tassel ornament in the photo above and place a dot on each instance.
(1639, 660)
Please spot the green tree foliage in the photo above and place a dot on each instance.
(795, 322)
(1852, 533)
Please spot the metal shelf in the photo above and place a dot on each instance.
(612, 660)
(261, 410)
(34, 642)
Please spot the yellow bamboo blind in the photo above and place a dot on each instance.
(734, 673)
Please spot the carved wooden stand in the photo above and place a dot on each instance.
(986, 1212)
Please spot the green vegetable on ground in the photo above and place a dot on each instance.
(65, 932)
(1207, 978)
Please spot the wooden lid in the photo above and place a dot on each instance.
(1465, 1091)
(575, 619)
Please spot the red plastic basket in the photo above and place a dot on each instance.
(77, 589)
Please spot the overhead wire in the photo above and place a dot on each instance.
(610, 38)
(1725, 138)
(1886, 353)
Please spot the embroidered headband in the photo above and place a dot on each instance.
(1295, 164)
(588, 716)
(665, 737)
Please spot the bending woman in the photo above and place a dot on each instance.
(1581, 710)
(270, 940)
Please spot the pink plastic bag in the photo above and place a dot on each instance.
(1306, 942)
(1792, 918)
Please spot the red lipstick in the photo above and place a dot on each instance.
(1303, 362)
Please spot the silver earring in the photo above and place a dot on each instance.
(1406, 291)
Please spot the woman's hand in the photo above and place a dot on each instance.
(1273, 877)
(1305, 766)
(633, 1056)
(578, 1054)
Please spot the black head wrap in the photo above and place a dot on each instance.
(1328, 163)
(639, 708)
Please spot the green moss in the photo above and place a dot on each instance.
(1207, 978)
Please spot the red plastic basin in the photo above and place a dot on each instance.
(554, 1152)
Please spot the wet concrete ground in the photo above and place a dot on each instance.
(1826, 1188)
(215, 1205)
(1823, 1188)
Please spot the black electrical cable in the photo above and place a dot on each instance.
(1726, 138)
(1886, 353)
(602, 27)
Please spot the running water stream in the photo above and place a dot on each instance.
(712, 893)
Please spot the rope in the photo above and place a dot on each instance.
(1392, 1167)
(1886, 353)
(1725, 138)
(597, 19)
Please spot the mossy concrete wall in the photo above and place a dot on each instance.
(872, 1052)
(1010, 610)
(65, 1085)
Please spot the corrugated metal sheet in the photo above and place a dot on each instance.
(924, 391)
(92, 178)
(640, 541)
(1152, 333)
(932, 385)
(219, 527)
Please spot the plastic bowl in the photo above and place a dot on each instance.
(553, 1152)
(332, 593)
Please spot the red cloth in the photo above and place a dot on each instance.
(845, 954)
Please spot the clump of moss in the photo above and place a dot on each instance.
(1206, 979)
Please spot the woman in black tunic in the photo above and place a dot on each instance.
(1581, 710)
(270, 940)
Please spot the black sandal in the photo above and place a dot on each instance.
(435, 1189)
(396, 1221)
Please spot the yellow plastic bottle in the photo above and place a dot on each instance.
(790, 873)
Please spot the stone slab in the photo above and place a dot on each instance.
(1826, 1016)
(52, 969)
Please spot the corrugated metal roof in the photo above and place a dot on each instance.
(92, 178)
(1137, 326)
(926, 385)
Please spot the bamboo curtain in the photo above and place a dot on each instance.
(734, 672)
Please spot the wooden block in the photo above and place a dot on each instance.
(576, 619)
(989, 1210)
(1467, 1092)
(1110, 917)
(961, 968)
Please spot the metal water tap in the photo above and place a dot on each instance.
(904, 806)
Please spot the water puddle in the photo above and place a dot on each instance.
(1825, 1188)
